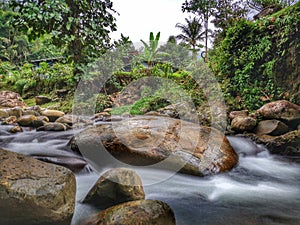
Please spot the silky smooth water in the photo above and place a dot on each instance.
(261, 189)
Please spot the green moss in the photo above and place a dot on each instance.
(141, 106)
(120, 110)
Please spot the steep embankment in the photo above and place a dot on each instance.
(259, 60)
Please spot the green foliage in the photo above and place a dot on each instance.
(178, 55)
(245, 60)
(262, 4)
(140, 107)
(82, 26)
(102, 102)
(44, 78)
(14, 46)
(150, 50)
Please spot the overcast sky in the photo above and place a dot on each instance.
(139, 17)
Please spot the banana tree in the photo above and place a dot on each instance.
(150, 50)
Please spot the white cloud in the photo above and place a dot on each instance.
(139, 17)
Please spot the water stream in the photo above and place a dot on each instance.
(262, 189)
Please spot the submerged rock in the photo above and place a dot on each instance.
(135, 212)
(34, 192)
(16, 129)
(116, 186)
(162, 142)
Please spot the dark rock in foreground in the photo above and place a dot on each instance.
(134, 213)
(34, 192)
(168, 143)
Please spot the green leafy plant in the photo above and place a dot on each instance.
(150, 50)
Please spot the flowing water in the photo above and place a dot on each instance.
(262, 189)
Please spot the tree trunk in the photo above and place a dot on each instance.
(206, 37)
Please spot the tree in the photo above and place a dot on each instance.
(227, 11)
(175, 54)
(14, 46)
(259, 5)
(82, 26)
(205, 9)
(191, 33)
(221, 13)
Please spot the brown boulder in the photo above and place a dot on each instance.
(9, 99)
(134, 213)
(281, 110)
(286, 144)
(10, 120)
(40, 100)
(26, 120)
(34, 192)
(4, 113)
(66, 119)
(271, 127)
(52, 127)
(161, 142)
(52, 114)
(116, 186)
(242, 124)
(16, 111)
(233, 114)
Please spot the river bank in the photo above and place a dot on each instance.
(262, 183)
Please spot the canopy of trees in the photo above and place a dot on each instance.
(82, 26)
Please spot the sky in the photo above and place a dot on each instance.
(139, 17)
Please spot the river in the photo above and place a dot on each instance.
(262, 189)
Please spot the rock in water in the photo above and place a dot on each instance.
(52, 127)
(52, 114)
(286, 144)
(26, 120)
(271, 127)
(168, 143)
(116, 186)
(135, 212)
(34, 192)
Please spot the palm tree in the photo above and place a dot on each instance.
(191, 33)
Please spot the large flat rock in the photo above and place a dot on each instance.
(158, 141)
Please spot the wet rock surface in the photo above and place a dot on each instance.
(135, 212)
(33, 192)
(170, 143)
(116, 186)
